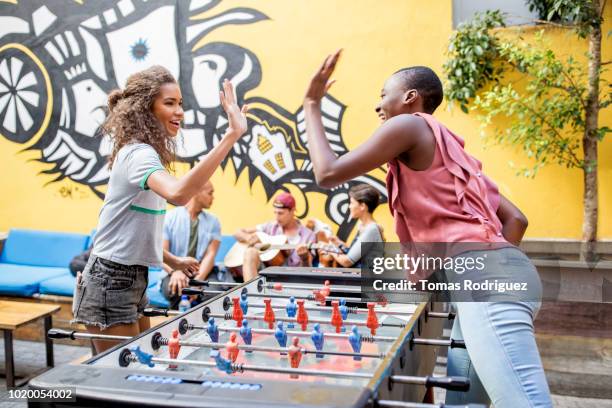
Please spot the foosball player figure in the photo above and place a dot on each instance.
(372, 321)
(281, 336)
(244, 303)
(232, 348)
(174, 347)
(302, 315)
(246, 334)
(269, 314)
(295, 354)
(213, 330)
(291, 309)
(143, 358)
(343, 312)
(318, 338)
(355, 340)
(223, 364)
(336, 319)
(237, 312)
(326, 291)
(319, 297)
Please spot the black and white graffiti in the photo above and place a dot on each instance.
(59, 60)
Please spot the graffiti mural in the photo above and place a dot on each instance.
(59, 59)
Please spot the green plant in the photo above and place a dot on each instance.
(551, 104)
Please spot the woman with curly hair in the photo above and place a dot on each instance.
(143, 121)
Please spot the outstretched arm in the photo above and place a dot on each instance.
(397, 135)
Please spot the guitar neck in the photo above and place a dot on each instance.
(285, 247)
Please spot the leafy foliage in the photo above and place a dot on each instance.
(473, 52)
(578, 13)
(541, 96)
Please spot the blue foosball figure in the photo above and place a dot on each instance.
(291, 309)
(213, 330)
(318, 338)
(246, 333)
(143, 358)
(343, 312)
(355, 340)
(244, 303)
(223, 364)
(281, 335)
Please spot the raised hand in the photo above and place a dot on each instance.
(235, 115)
(320, 82)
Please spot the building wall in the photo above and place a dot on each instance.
(377, 37)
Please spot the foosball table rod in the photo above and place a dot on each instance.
(158, 341)
(153, 311)
(403, 404)
(276, 286)
(229, 316)
(195, 291)
(135, 355)
(184, 326)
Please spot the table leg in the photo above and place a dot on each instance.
(48, 323)
(9, 363)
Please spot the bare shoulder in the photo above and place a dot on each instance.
(406, 124)
(409, 127)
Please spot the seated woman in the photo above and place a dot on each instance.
(363, 201)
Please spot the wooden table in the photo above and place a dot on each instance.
(16, 314)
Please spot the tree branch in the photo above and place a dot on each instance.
(575, 161)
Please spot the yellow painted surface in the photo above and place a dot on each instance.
(377, 41)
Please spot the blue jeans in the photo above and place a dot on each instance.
(501, 358)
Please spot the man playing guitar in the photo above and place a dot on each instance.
(286, 224)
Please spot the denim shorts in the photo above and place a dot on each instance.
(110, 293)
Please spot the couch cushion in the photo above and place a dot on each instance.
(61, 285)
(24, 280)
(156, 298)
(42, 248)
(227, 241)
(155, 275)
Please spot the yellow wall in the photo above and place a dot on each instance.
(377, 41)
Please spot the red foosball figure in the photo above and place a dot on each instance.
(319, 296)
(326, 290)
(269, 314)
(232, 348)
(295, 354)
(174, 346)
(237, 314)
(336, 318)
(372, 321)
(302, 316)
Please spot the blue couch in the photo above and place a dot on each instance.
(30, 258)
(156, 298)
(37, 262)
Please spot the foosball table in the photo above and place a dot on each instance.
(291, 337)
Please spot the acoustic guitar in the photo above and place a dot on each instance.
(271, 250)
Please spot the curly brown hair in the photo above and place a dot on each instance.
(130, 117)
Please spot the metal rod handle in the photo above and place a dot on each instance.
(448, 383)
(403, 404)
(73, 334)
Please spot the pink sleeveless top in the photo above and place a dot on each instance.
(451, 201)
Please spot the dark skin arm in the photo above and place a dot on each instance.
(514, 222)
(400, 134)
